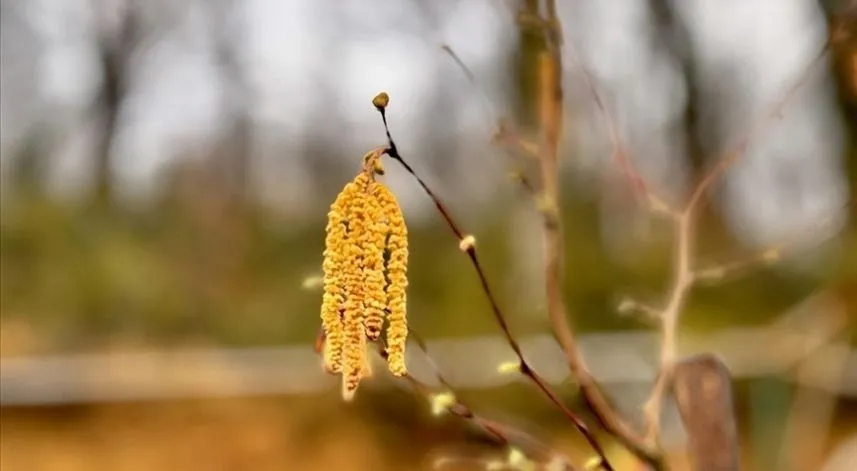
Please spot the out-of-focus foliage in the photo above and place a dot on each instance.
(206, 264)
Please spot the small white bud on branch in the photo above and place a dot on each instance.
(467, 243)
(441, 402)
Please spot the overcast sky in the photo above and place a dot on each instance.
(348, 50)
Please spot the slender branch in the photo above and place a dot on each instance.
(683, 275)
(550, 100)
(775, 112)
(797, 240)
(505, 136)
(619, 152)
(467, 244)
(446, 401)
(720, 272)
(649, 314)
(682, 282)
(595, 399)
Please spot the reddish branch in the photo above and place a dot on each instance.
(470, 249)
(500, 433)
(684, 276)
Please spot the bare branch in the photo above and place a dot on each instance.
(682, 282)
(445, 401)
(768, 256)
(648, 313)
(683, 272)
(550, 100)
(720, 272)
(467, 244)
(774, 113)
(619, 152)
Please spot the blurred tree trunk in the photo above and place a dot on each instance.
(673, 37)
(444, 160)
(525, 63)
(115, 47)
(841, 18)
(28, 171)
(700, 116)
(21, 49)
(233, 156)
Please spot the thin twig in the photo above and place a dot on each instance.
(470, 249)
(597, 402)
(728, 159)
(554, 252)
(723, 271)
(682, 282)
(797, 240)
(502, 434)
(507, 137)
(619, 152)
(684, 276)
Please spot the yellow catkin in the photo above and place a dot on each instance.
(360, 289)
(397, 281)
(354, 354)
(334, 262)
(355, 365)
(375, 298)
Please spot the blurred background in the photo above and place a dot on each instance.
(166, 168)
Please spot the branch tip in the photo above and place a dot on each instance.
(381, 101)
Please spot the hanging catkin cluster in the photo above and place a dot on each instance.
(365, 277)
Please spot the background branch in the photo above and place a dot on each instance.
(551, 103)
(683, 274)
(447, 401)
(467, 244)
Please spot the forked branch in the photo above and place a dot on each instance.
(467, 244)
(520, 444)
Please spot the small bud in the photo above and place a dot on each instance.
(441, 402)
(771, 255)
(547, 206)
(626, 306)
(516, 457)
(509, 367)
(592, 463)
(381, 100)
(518, 460)
(467, 243)
(312, 282)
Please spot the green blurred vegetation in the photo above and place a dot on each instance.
(195, 267)
(198, 268)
